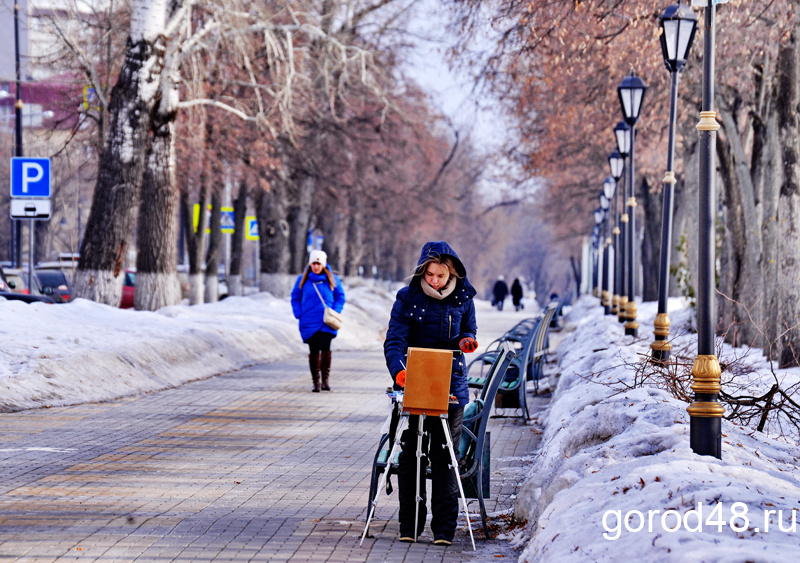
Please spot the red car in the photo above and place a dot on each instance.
(128, 290)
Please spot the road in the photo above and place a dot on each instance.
(245, 466)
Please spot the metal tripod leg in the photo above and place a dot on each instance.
(454, 463)
(420, 423)
(385, 476)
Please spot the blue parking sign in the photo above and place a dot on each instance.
(30, 177)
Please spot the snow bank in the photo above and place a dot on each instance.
(56, 355)
(615, 477)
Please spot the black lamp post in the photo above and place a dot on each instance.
(631, 93)
(597, 236)
(622, 132)
(705, 413)
(605, 203)
(617, 164)
(16, 229)
(678, 27)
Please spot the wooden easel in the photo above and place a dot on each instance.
(427, 393)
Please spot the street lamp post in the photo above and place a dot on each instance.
(605, 203)
(678, 27)
(705, 426)
(617, 164)
(631, 93)
(622, 132)
(597, 243)
(16, 228)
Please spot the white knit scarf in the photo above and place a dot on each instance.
(438, 293)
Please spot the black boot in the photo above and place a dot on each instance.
(314, 363)
(325, 369)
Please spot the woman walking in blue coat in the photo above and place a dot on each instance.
(315, 286)
(436, 310)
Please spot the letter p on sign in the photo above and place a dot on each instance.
(30, 177)
(31, 173)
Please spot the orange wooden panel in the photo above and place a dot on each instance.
(427, 388)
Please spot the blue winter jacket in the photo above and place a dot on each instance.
(308, 308)
(423, 322)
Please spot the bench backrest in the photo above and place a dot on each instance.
(474, 428)
(541, 338)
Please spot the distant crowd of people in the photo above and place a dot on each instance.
(500, 292)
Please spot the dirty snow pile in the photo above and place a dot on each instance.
(615, 478)
(55, 355)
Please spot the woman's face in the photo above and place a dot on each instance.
(437, 275)
(316, 267)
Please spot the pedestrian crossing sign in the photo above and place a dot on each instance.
(251, 228)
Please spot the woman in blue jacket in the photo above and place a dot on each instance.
(315, 285)
(436, 310)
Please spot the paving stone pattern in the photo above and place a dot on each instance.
(246, 466)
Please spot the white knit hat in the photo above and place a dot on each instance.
(319, 257)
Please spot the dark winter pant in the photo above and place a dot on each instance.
(444, 487)
(320, 341)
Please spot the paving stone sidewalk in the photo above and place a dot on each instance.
(247, 466)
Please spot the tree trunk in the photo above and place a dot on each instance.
(299, 217)
(787, 100)
(195, 242)
(356, 249)
(273, 235)
(741, 303)
(651, 241)
(214, 245)
(157, 282)
(111, 220)
(237, 244)
(685, 221)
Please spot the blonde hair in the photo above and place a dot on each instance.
(328, 273)
(445, 261)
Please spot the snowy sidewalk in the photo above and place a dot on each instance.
(248, 466)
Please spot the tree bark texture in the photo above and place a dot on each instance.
(116, 195)
(651, 241)
(195, 242)
(301, 196)
(237, 244)
(787, 99)
(741, 300)
(214, 245)
(157, 282)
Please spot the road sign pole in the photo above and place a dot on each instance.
(30, 255)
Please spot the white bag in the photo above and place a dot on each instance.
(330, 317)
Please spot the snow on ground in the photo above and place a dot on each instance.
(55, 355)
(615, 476)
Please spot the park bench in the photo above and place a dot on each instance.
(540, 347)
(474, 447)
(513, 392)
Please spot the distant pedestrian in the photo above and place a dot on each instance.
(516, 294)
(308, 305)
(500, 291)
(436, 310)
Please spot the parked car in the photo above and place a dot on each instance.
(128, 290)
(17, 280)
(7, 292)
(52, 282)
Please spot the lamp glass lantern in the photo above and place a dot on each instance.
(631, 93)
(678, 28)
(622, 132)
(609, 187)
(598, 216)
(617, 164)
(605, 203)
